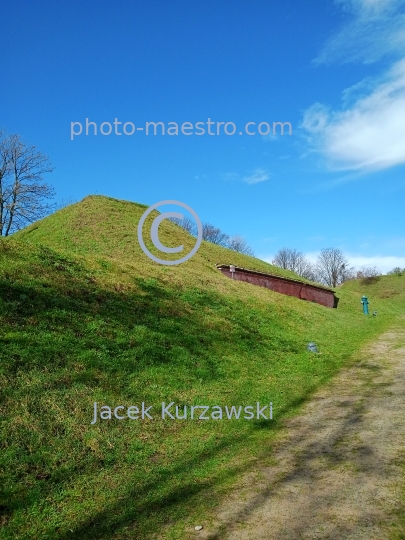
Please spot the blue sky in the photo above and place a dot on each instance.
(335, 70)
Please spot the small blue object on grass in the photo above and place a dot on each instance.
(312, 347)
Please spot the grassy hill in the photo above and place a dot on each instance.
(86, 317)
(104, 227)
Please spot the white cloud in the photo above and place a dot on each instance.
(375, 29)
(370, 134)
(259, 175)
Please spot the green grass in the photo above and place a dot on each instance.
(85, 316)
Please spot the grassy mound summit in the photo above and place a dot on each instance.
(86, 317)
(106, 227)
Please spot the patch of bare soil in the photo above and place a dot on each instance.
(337, 472)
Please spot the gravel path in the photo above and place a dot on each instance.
(337, 473)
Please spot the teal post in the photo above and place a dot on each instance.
(364, 301)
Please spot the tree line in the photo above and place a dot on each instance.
(397, 271)
(213, 234)
(331, 267)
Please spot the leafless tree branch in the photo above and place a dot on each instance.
(333, 267)
(294, 260)
(22, 190)
(239, 244)
(215, 235)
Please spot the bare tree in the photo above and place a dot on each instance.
(187, 224)
(239, 244)
(397, 271)
(282, 258)
(333, 267)
(22, 191)
(368, 271)
(288, 259)
(307, 270)
(214, 235)
(369, 274)
(294, 260)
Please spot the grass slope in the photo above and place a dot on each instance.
(85, 316)
(106, 227)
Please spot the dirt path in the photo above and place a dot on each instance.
(336, 473)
